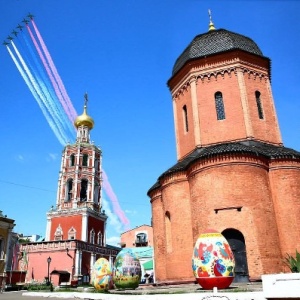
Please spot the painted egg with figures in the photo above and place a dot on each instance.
(213, 261)
(101, 277)
(127, 270)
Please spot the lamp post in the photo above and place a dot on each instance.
(48, 261)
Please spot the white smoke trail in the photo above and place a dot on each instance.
(33, 90)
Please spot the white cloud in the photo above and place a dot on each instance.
(131, 212)
(113, 241)
(52, 157)
(19, 157)
(113, 220)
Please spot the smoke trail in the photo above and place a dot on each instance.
(57, 77)
(37, 88)
(59, 94)
(48, 89)
(29, 84)
(53, 81)
(114, 200)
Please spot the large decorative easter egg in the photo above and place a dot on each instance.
(101, 277)
(126, 270)
(213, 261)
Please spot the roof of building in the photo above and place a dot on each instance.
(141, 252)
(148, 265)
(135, 228)
(213, 42)
(256, 148)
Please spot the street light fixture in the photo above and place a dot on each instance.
(48, 261)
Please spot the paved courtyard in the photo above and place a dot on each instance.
(185, 291)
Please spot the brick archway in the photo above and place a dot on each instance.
(236, 241)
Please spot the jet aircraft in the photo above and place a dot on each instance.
(25, 21)
(30, 16)
(10, 38)
(5, 43)
(14, 32)
(20, 26)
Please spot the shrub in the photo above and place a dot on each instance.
(293, 262)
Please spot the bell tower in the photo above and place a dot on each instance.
(78, 214)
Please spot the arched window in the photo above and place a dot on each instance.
(92, 236)
(168, 231)
(185, 118)
(69, 190)
(259, 106)
(58, 235)
(72, 234)
(85, 160)
(83, 190)
(72, 160)
(2, 254)
(141, 239)
(219, 106)
(99, 239)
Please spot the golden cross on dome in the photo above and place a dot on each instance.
(211, 24)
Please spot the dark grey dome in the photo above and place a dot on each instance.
(215, 41)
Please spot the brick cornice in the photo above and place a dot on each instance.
(211, 72)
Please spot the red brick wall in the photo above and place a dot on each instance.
(175, 201)
(128, 238)
(66, 223)
(97, 225)
(285, 183)
(214, 184)
(158, 218)
(238, 181)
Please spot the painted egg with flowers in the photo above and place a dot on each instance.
(101, 276)
(213, 261)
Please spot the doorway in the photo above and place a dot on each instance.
(236, 241)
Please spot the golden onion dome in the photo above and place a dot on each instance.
(84, 119)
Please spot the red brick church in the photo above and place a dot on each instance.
(76, 225)
(233, 173)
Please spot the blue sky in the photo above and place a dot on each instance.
(122, 54)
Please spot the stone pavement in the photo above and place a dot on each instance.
(241, 291)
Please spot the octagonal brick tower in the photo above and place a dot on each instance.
(233, 173)
(221, 92)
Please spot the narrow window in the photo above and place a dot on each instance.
(141, 239)
(72, 234)
(168, 232)
(185, 119)
(58, 235)
(92, 236)
(69, 189)
(1, 248)
(219, 106)
(72, 160)
(85, 160)
(99, 237)
(83, 190)
(259, 106)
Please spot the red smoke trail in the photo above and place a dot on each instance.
(52, 79)
(55, 73)
(39, 72)
(114, 200)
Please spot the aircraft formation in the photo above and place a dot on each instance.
(7, 41)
